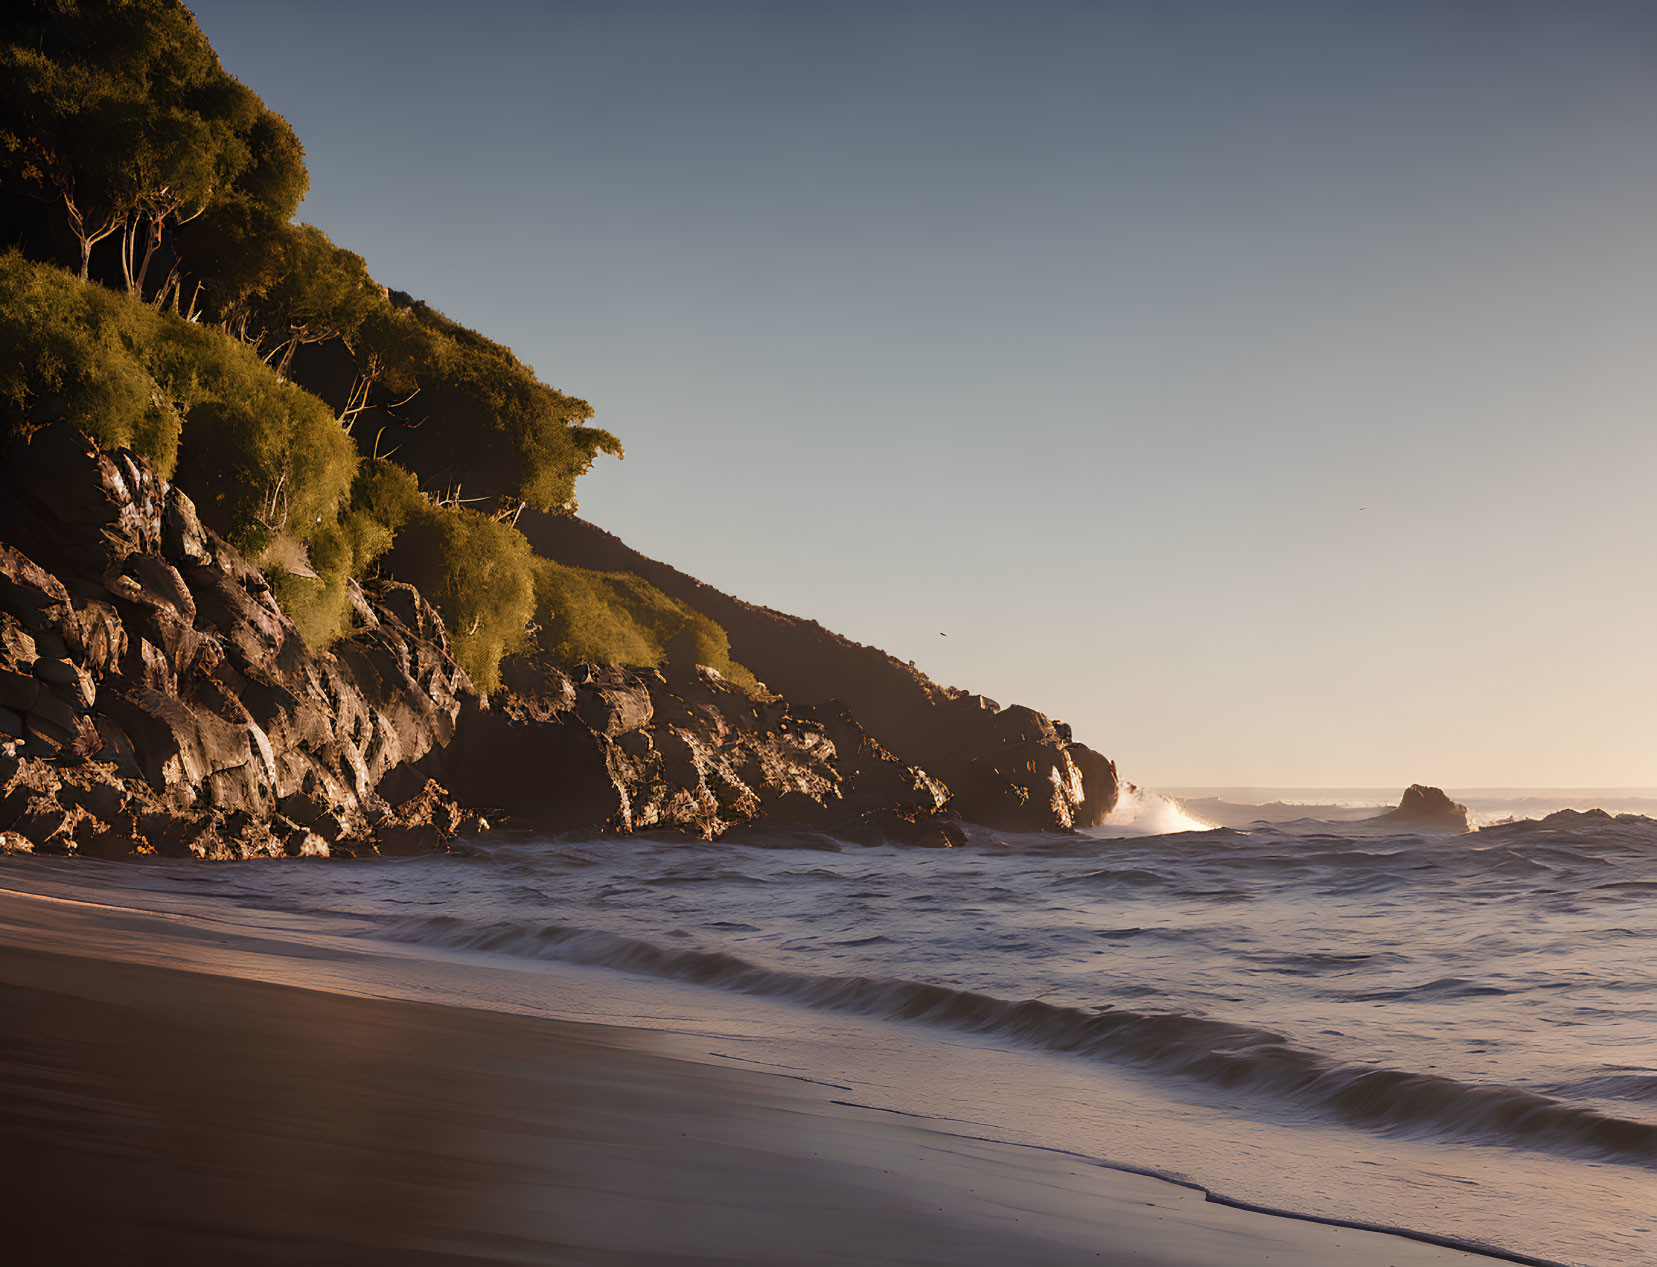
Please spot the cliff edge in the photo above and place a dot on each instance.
(154, 698)
(1010, 768)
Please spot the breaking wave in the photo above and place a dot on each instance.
(1140, 812)
(1233, 1057)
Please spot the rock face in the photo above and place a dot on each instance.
(590, 746)
(1011, 768)
(154, 698)
(1425, 809)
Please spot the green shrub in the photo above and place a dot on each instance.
(319, 606)
(260, 456)
(267, 463)
(478, 573)
(269, 460)
(620, 618)
(339, 550)
(76, 351)
(487, 584)
(587, 615)
(386, 494)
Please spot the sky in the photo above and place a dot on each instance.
(1266, 389)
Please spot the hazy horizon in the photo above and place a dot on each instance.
(1265, 390)
(1216, 788)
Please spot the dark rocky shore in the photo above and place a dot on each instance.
(155, 699)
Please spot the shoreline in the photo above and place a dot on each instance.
(198, 1052)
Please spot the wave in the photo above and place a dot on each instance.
(1139, 812)
(1638, 1085)
(1222, 1054)
(1570, 825)
(1118, 876)
(1432, 992)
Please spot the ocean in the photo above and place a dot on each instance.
(1453, 1035)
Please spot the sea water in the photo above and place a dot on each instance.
(1451, 1034)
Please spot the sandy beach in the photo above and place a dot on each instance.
(163, 1116)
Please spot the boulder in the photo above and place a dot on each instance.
(614, 705)
(1100, 785)
(1027, 785)
(1423, 809)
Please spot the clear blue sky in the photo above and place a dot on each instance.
(1268, 389)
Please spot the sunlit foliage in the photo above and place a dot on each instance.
(477, 571)
(620, 618)
(260, 456)
(259, 363)
(118, 113)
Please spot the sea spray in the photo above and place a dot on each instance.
(1141, 812)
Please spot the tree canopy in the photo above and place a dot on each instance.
(262, 366)
(119, 118)
(119, 112)
(484, 423)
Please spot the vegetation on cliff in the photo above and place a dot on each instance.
(118, 116)
(156, 292)
(259, 454)
(622, 618)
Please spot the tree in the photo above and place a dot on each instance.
(487, 423)
(389, 348)
(234, 251)
(185, 151)
(119, 111)
(63, 127)
(320, 292)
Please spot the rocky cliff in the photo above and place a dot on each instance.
(155, 699)
(1010, 768)
(572, 747)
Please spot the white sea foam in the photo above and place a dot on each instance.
(1141, 812)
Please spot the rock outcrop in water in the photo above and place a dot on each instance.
(1425, 809)
(1011, 768)
(155, 699)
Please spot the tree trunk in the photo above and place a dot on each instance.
(287, 357)
(149, 251)
(128, 236)
(87, 237)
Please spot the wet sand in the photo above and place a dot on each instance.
(152, 1115)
